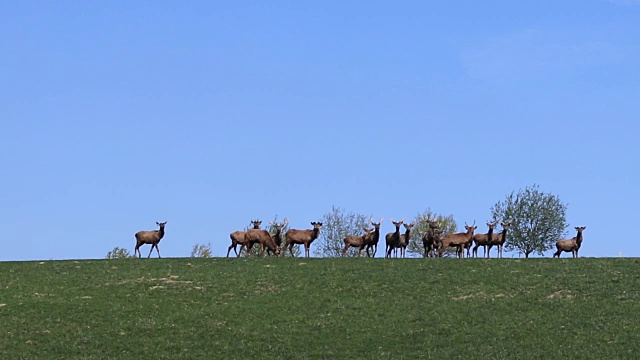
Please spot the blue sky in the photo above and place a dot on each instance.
(210, 114)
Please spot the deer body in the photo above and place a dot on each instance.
(152, 237)
(238, 238)
(263, 238)
(304, 237)
(393, 238)
(499, 239)
(431, 239)
(371, 241)
(484, 239)
(570, 245)
(356, 241)
(404, 239)
(459, 240)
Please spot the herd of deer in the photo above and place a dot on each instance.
(433, 242)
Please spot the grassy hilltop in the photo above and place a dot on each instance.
(320, 308)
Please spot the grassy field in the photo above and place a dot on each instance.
(320, 308)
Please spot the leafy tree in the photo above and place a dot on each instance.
(202, 251)
(335, 226)
(119, 253)
(537, 220)
(421, 226)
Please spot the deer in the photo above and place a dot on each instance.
(262, 237)
(570, 245)
(152, 237)
(305, 237)
(458, 240)
(484, 239)
(404, 239)
(277, 237)
(371, 241)
(431, 239)
(393, 238)
(499, 239)
(356, 241)
(237, 237)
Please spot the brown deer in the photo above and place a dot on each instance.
(262, 237)
(499, 239)
(152, 237)
(304, 237)
(277, 237)
(431, 239)
(393, 238)
(458, 240)
(356, 241)
(237, 237)
(404, 239)
(484, 239)
(371, 241)
(570, 245)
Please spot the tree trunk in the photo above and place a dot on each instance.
(526, 255)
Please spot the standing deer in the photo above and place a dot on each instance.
(404, 239)
(393, 238)
(262, 237)
(484, 239)
(277, 237)
(458, 240)
(152, 237)
(431, 239)
(371, 241)
(356, 241)
(237, 237)
(570, 245)
(304, 237)
(499, 239)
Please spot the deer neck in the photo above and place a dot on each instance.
(579, 238)
(315, 233)
(407, 234)
(490, 234)
(503, 236)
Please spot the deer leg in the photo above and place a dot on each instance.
(306, 249)
(152, 245)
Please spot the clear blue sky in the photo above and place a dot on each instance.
(209, 114)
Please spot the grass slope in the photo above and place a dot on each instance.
(320, 308)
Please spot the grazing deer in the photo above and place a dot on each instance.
(304, 237)
(262, 237)
(499, 239)
(404, 239)
(458, 240)
(570, 245)
(356, 241)
(393, 238)
(371, 241)
(277, 237)
(431, 239)
(152, 237)
(484, 239)
(237, 237)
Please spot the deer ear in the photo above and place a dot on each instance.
(157, 223)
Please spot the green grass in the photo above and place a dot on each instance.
(320, 308)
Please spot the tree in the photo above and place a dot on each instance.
(119, 253)
(202, 251)
(421, 227)
(537, 220)
(335, 226)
